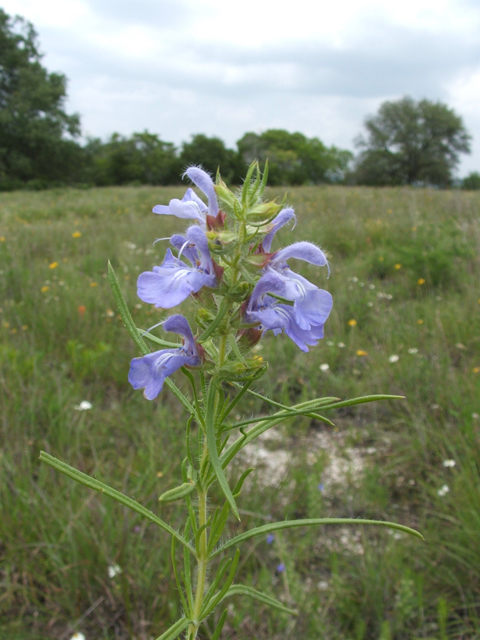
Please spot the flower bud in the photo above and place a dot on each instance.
(264, 210)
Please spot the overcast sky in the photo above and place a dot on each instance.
(179, 67)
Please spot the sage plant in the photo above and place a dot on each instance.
(242, 287)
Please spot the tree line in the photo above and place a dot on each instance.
(406, 142)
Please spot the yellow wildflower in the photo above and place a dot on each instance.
(398, 266)
(421, 281)
(361, 352)
(352, 323)
(419, 321)
(44, 289)
(76, 234)
(93, 284)
(53, 265)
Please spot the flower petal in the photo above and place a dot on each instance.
(186, 210)
(179, 324)
(190, 195)
(203, 181)
(150, 371)
(302, 251)
(188, 251)
(283, 217)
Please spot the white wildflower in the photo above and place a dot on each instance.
(114, 570)
(443, 490)
(394, 358)
(341, 345)
(413, 350)
(84, 405)
(324, 367)
(449, 463)
(78, 636)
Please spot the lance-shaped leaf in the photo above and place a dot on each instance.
(212, 448)
(96, 485)
(175, 630)
(310, 522)
(262, 426)
(221, 622)
(209, 606)
(243, 590)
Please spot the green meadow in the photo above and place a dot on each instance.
(405, 278)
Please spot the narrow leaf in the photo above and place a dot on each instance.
(212, 448)
(124, 312)
(289, 524)
(219, 627)
(361, 400)
(177, 580)
(243, 590)
(90, 482)
(175, 630)
(163, 343)
(210, 606)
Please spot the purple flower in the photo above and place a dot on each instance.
(321, 487)
(281, 568)
(172, 282)
(190, 206)
(274, 315)
(150, 371)
(270, 538)
(308, 299)
(283, 217)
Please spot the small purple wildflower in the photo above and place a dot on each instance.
(270, 538)
(307, 297)
(321, 487)
(281, 568)
(172, 282)
(190, 206)
(150, 371)
(304, 329)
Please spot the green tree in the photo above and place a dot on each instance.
(33, 121)
(471, 182)
(293, 158)
(411, 142)
(142, 158)
(211, 153)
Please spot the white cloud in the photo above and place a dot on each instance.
(182, 67)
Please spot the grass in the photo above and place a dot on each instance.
(405, 268)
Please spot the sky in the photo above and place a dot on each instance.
(181, 67)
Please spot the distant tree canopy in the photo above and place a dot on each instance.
(411, 142)
(471, 182)
(212, 154)
(293, 158)
(143, 158)
(32, 117)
